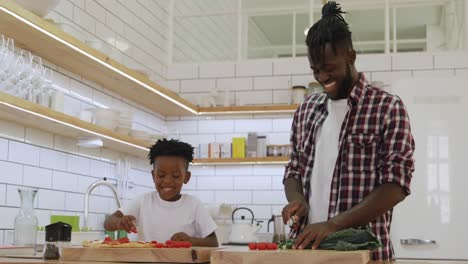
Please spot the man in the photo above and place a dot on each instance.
(352, 148)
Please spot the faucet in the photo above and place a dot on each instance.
(104, 182)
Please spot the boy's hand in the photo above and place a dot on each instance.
(127, 223)
(181, 236)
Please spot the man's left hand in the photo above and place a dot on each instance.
(181, 237)
(316, 233)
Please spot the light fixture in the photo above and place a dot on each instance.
(89, 142)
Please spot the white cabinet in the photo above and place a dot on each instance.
(437, 209)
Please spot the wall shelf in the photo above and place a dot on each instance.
(46, 40)
(33, 115)
(248, 109)
(246, 161)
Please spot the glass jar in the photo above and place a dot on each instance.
(26, 221)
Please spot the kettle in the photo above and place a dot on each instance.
(243, 232)
(278, 228)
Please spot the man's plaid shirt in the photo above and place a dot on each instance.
(375, 147)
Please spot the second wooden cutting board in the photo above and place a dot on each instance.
(153, 255)
(246, 256)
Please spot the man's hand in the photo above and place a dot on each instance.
(315, 232)
(127, 223)
(297, 208)
(181, 236)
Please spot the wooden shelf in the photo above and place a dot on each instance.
(46, 40)
(250, 109)
(33, 115)
(266, 160)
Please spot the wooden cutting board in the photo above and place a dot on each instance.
(245, 256)
(154, 255)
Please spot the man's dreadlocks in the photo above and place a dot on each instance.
(331, 28)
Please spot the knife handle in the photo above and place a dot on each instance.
(416, 241)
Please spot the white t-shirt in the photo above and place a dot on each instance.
(159, 220)
(326, 153)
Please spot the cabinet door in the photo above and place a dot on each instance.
(432, 222)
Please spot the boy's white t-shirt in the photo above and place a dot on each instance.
(326, 153)
(159, 220)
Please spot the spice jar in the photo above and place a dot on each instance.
(51, 246)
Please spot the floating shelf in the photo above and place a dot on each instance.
(248, 109)
(246, 161)
(46, 40)
(33, 115)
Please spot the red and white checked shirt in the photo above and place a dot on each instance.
(375, 147)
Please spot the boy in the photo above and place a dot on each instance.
(166, 214)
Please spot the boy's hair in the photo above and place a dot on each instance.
(331, 28)
(172, 147)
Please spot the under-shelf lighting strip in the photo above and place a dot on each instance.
(75, 127)
(98, 60)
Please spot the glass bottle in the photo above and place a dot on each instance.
(26, 221)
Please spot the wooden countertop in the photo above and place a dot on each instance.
(35, 261)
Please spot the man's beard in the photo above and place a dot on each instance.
(346, 85)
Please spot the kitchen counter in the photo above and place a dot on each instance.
(35, 261)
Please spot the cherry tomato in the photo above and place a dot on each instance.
(124, 240)
(261, 246)
(272, 246)
(252, 246)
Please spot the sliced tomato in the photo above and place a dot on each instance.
(252, 246)
(107, 239)
(168, 242)
(124, 240)
(154, 242)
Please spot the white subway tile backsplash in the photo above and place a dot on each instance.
(37, 177)
(281, 96)
(3, 194)
(84, 183)
(173, 86)
(461, 72)
(200, 85)
(217, 70)
(182, 71)
(52, 159)
(233, 170)
(23, 153)
(233, 197)
(303, 80)
(12, 130)
(215, 183)
(252, 183)
(202, 170)
(43, 217)
(109, 155)
(83, 19)
(12, 196)
(390, 78)
(257, 125)
(215, 126)
(51, 200)
(254, 97)
(99, 204)
(278, 138)
(268, 170)
(272, 83)
(194, 140)
(11, 172)
(7, 220)
(254, 68)
(182, 127)
(94, 153)
(299, 65)
(74, 201)
(81, 91)
(434, 74)
(96, 10)
(3, 149)
(451, 60)
(100, 169)
(79, 165)
(277, 182)
(374, 62)
(234, 84)
(101, 99)
(259, 211)
(192, 184)
(38, 137)
(72, 106)
(412, 62)
(269, 197)
(65, 181)
(204, 196)
(282, 125)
